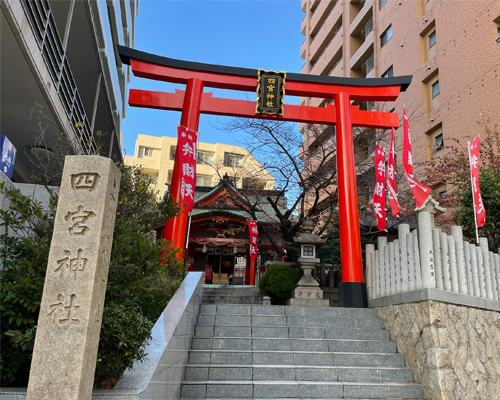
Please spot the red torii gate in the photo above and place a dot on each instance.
(196, 76)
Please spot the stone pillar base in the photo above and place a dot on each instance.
(308, 296)
(309, 302)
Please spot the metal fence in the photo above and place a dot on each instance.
(49, 42)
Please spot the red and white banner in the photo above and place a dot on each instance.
(391, 178)
(479, 211)
(419, 190)
(253, 235)
(379, 192)
(186, 157)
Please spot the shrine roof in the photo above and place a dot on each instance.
(126, 54)
(261, 216)
(263, 210)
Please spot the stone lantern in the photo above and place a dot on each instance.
(308, 293)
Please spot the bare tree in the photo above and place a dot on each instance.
(50, 147)
(304, 176)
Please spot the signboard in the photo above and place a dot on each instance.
(253, 239)
(270, 92)
(7, 156)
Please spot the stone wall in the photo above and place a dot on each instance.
(453, 350)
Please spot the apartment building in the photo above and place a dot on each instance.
(61, 78)
(155, 155)
(451, 47)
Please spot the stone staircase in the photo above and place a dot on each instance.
(231, 294)
(275, 352)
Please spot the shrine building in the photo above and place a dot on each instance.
(218, 235)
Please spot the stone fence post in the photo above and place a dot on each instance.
(369, 255)
(67, 337)
(424, 222)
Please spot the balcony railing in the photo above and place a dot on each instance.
(369, 64)
(367, 29)
(47, 37)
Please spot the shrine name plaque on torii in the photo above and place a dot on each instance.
(192, 102)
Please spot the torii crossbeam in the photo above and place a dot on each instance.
(193, 102)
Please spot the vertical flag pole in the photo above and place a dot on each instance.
(473, 199)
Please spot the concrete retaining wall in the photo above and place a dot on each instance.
(452, 349)
(159, 376)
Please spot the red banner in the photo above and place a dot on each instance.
(186, 156)
(379, 199)
(419, 190)
(253, 235)
(391, 178)
(479, 211)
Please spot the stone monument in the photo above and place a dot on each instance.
(67, 336)
(308, 293)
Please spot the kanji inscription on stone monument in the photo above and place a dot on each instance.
(67, 337)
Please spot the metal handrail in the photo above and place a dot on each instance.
(49, 42)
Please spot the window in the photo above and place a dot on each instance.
(435, 90)
(172, 152)
(438, 142)
(434, 142)
(381, 4)
(386, 36)
(389, 73)
(169, 176)
(203, 180)
(205, 157)
(145, 152)
(432, 39)
(233, 160)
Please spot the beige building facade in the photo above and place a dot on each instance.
(451, 47)
(156, 155)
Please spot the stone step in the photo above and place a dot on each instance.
(315, 358)
(286, 320)
(298, 389)
(232, 301)
(293, 311)
(208, 331)
(297, 372)
(286, 344)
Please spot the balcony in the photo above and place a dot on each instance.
(303, 4)
(363, 15)
(330, 27)
(316, 19)
(303, 26)
(303, 49)
(363, 52)
(325, 61)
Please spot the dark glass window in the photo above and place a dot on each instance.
(389, 73)
(386, 36)
(432, 39)
(435, 90)
(438, 142)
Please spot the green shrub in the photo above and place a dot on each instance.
(138, 287)
(278, 282)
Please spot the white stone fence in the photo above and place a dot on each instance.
(427, 257)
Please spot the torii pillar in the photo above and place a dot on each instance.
(342, 113)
